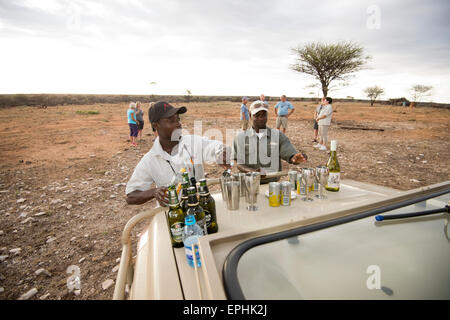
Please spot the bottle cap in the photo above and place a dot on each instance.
(333, 145)
(189, 220)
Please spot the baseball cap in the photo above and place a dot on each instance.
(162, 109)
(258, 106)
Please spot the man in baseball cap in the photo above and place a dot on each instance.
(261, 148)
(161, 110)
(171, 151)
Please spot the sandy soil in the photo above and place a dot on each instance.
(63, 176)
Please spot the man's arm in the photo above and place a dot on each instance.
(215, 151)
(140, 197)
(290, 112)
(288, 152)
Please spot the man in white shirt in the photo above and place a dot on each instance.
(170, 152)
(324, 121)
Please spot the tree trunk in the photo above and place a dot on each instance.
(324, 90)
(371, 102)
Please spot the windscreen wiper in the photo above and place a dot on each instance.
(412, 214)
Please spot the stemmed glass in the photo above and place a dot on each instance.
(308, 178)
(322, 173)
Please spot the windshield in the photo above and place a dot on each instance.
(361, 259)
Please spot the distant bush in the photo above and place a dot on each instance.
(87, 112)
(48, 100)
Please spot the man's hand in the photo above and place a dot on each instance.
(161, 195)
(299, 158)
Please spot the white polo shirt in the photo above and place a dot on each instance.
(328, 111)
(158, 167)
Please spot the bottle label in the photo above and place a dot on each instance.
(334, 179)
(177, 231)
(207, 218)
(188, 251)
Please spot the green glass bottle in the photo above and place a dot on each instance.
(175, 218)
(195, 209)
(208, 204)
(184, 197)
(334, 168)
(184, 176)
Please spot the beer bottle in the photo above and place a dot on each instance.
(184, 197)
(175, 218)
(208, 204)
(184, 176)
(195, 209)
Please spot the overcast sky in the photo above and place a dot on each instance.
(212, 47)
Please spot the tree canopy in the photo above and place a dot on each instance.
(329, 63)
(420, 91)
(373, 93)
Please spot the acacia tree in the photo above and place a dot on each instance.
(373, 93)
(188, 95)
(420, 91)
(329, 63)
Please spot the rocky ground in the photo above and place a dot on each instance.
(63, 176)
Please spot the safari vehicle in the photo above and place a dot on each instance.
(324, 249)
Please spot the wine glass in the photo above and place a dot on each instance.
(322, 173)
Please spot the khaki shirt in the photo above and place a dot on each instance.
(263, 152)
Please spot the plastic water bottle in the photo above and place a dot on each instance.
(192, 232)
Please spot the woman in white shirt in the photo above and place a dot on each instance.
(324, 121)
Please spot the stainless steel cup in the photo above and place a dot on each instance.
(240, 177)
(233, 194)
(223, 180)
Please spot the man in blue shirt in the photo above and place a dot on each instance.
(283, 110)
(244, 114)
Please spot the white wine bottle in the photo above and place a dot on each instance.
(334, 168)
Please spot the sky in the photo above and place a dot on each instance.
(228, 47)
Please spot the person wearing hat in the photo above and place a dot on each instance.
(244, 114)
(170, 152)
(261, 148)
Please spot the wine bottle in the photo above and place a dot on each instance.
(334, 168)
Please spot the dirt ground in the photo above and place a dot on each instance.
(63, 176)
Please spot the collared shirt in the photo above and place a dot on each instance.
(327, 110)
(158, 167)
(283, 108)
(244, 110)
(263, 152)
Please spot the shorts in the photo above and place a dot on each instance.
(323, 133)
(316, 125)
(140, 124)
(244, 124)
(133, 129)
(282, 122)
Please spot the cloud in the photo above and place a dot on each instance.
(215, 46)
